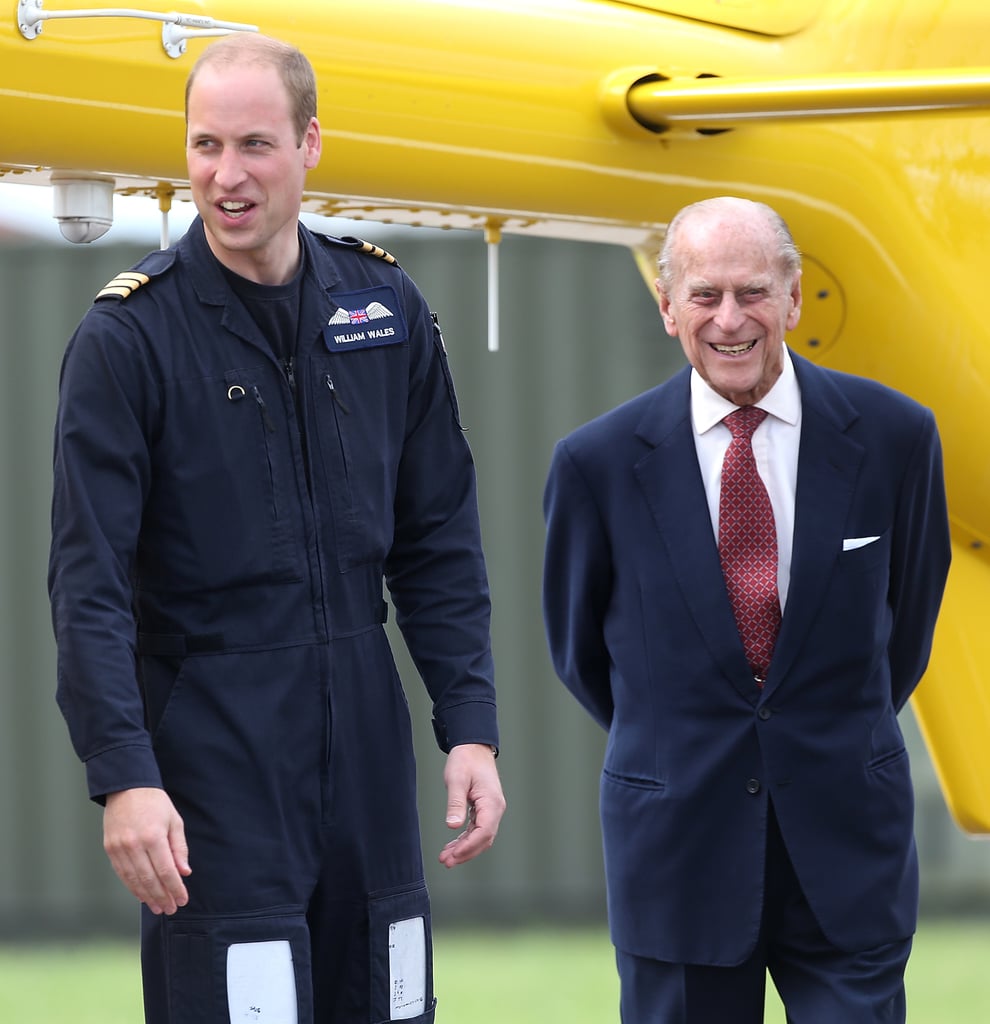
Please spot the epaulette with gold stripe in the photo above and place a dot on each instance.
(376, 250)
(127, 282)
(360, 245)
(122, 285)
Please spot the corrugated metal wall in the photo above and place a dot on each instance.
(579, 333)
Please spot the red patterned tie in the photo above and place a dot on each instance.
(747, 543)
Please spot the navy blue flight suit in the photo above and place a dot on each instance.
(223, 523)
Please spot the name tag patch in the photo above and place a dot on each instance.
(365, 319)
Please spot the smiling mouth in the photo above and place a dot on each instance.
(735, 350)
(235, 210)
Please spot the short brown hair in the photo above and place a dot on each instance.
(292, 65)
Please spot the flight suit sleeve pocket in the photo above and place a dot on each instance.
(441, 352)
(401, 951)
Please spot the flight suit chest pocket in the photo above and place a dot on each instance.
(223, 511)
(401, 951)
(360, 387)
(259, 433)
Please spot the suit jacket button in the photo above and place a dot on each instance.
(764, 713)
(753, 786)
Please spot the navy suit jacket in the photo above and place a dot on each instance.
(641, 631)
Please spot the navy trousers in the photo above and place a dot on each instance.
(307, 901)
(339, 946)
(817, 983)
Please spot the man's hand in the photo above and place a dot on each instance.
(145, 840)
(474, 801)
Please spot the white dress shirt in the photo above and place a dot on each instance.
(775, 447)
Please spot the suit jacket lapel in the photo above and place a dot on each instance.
(828, 465)
(674, 491)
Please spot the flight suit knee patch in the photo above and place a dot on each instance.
(401, 950)
(253, 969)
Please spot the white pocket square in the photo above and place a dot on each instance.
(851, 543)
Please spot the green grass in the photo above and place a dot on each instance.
(484, 977)
(570, 976)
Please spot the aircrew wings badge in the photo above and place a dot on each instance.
(365, 319)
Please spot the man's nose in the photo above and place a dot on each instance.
(729, 315)
(229, 168)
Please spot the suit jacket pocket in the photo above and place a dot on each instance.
(885, 759)
(869, 556)
(634, 781)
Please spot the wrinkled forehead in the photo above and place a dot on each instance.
(727, 253)
(709, 233)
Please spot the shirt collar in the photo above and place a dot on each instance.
(783, 400)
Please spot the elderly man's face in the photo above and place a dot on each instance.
(730, 303)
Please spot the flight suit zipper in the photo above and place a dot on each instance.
(263, 409)
(290, 375)
(338, 406)
(289, 369)
(335, 395)
(269, 426)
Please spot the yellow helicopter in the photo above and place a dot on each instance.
(864, 122)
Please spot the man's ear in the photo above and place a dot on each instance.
(663, 301)
(312, 143)
(794, 315)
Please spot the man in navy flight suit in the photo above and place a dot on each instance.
(256, 428)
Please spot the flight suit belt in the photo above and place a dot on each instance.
(179, 645)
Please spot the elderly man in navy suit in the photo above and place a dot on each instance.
(749, 661)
